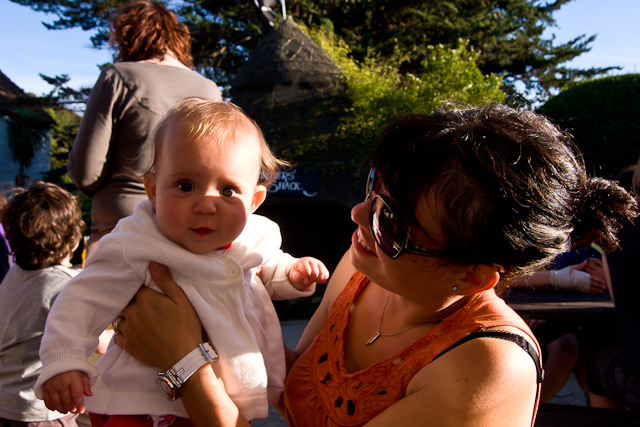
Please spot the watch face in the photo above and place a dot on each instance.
(166, 387)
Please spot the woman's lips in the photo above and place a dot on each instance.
(362, 242)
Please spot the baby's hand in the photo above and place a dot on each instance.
(307, 271)
(64, 392)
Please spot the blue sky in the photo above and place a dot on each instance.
(28, 48)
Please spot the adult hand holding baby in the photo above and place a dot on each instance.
(149, 309)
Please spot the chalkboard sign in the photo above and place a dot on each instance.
(296, 182)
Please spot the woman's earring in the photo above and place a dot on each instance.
(454, 288)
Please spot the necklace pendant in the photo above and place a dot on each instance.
(373, 338)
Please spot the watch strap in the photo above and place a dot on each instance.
(193, 361)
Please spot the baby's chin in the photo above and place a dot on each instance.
(202, 241)
(200, 248)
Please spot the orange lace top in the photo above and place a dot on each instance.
(320, 392)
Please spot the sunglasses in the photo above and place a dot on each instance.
(390, 232)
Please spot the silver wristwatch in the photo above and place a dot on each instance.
(170, 382)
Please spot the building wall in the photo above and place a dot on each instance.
(9, 168)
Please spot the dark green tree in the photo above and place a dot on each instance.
(63, 133)
(379, 93)
(27, 135)
(601, 114)
(63, 96)
(223, 31)
(508, 34)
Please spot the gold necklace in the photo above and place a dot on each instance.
(378, 334)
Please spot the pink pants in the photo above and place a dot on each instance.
(98, 420)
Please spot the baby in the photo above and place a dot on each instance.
(210, 172)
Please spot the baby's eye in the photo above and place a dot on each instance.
(185, 186)
(227, 192)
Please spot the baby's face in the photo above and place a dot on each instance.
(203, 192)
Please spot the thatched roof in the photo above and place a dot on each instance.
(290, 87)
(287, 65)
(295, 92)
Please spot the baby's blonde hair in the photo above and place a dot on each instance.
(216, 121)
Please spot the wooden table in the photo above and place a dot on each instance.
(532, 303)
(556, 415)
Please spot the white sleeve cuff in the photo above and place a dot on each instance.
(281, 287)
(62, 366)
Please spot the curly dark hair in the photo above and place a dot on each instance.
(43, 225)
(146, 30)
(511, 187)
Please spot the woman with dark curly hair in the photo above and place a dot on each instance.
(151, 74)
(410, 330)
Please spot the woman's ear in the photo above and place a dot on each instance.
(259, 195)
(477, 278)
(150, 186)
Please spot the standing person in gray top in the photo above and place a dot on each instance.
(151, 74)
(43, 225)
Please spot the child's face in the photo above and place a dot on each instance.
(203, 191)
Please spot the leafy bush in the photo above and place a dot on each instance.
(378, 91)
(63, 133)
(602, 115)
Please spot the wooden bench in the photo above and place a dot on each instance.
(558, 415)
(532, 303)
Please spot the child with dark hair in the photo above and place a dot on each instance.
(43, 227)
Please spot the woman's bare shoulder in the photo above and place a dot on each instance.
(483, 382)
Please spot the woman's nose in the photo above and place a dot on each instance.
(360, 213)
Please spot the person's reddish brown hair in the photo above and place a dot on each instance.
(147, 30)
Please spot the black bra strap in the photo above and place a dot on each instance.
(504, 335)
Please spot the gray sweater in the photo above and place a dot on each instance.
(26, 296)
(111, 151)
